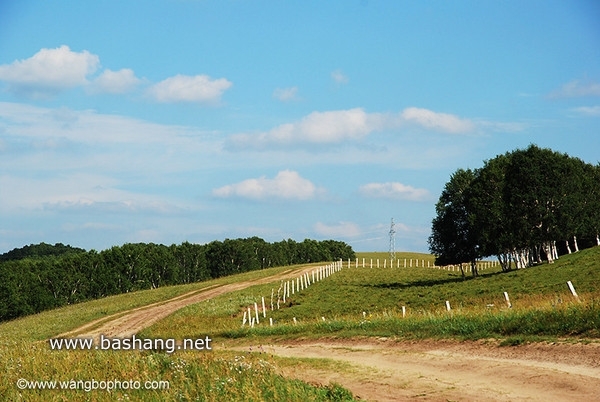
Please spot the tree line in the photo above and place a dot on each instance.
(524, 206)
(39, 277)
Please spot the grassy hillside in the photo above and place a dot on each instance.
(351, 302)
(202, 375)
(368, 302)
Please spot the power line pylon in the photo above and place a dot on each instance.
(392, 241)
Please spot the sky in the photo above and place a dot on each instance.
(168, 121)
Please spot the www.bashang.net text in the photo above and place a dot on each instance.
(168, 345)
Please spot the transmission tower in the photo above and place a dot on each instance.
(392, 241)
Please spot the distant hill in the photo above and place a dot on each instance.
(39, 250)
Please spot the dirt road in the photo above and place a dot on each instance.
(387, 370)
(125, 324)
(453, 371)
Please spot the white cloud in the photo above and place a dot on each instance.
(577, 89)
(48, 72)
(86, 126)
(437, 121)
(285, 94)
(184, 88)
(115, 82)
(394, 190)
(286, 185)
(341, 229)
(337, 126)
(339, 77)
(588, 110)
(317, 128)
(75, 191)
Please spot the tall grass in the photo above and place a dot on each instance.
(190, 376)
(215, 375)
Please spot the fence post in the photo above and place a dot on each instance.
(507, 300)
(572, 288)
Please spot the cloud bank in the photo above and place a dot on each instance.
(334, 127)
(577, 89)
(49, 72)
(395, 191)
(183, 88)
(285, 94)
(287, 185)
(115, 82)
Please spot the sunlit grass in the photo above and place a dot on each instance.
(204, 376)
(215, 375)
(368, 302)
(50, 323)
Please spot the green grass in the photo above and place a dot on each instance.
(202, 375)
(191, 376)
(47, 324)
(355, 302)
(368, 302)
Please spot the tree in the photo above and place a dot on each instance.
(453, 239)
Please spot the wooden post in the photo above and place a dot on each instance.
(271, 321)
(507, 300)
(256, 312)
(264, 309)
(244, 319)
(447, 305)
(284, 290)
(572, 288)
(403, 311)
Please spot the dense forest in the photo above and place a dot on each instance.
(524, 207)
(43, 276)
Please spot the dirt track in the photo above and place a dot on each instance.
(453, 371)
(125, 324)
(387, 370)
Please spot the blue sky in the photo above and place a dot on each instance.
(171, 121)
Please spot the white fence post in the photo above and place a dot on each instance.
(507, 300)
(572, 288)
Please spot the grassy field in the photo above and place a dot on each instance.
(352, 302)
(204, 376)
(368, 302)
